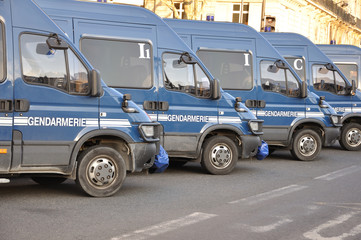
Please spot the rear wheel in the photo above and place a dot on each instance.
(351, 137)
(220, 155)
(306, 145)
(101, 171)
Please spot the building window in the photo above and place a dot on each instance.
(239, 14)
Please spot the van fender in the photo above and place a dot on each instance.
(305, 122)
(351, 117)
(219, 128)
(92, 134)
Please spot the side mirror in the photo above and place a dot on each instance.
(187, 59)
(43, 49)
(303, 90)
(96, 89)
(216, 89)
(280, 64)
(353, 87)
(54, 42)
(272, 68)
(321, 103)
(330, 67)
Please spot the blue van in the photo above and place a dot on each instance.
(325, 79)
(249, 67)
(58, 120)
(137, 53)
(347, 58)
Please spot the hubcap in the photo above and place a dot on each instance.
(307, 145)
(221, 156)
(353, 137)
(101, 171)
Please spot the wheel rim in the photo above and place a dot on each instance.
(221, 156)
(353, 137)
(307, 145)
(101, 172)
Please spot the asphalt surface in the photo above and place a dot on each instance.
(277, 198)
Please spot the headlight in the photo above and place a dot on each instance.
(148, 130)
(336, 119)
(256, 126)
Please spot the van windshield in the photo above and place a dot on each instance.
(350, 71)
(328, 80)
(233, 69)
(182, 77)
(279, 80)
(2, 52)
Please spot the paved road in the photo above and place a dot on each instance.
(276, 198)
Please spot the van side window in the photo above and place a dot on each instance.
(128, 64)
(188, 78)
(49, 67)
(298, 65)
(233, 69)
(328, 80)
(278, 80)
(350, 71)
(2, 53)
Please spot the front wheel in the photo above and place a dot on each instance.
(306, 145)
(101, 171)
(351, 137)
(220, 155)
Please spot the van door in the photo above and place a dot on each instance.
(6, 95)
(130, 55)
(52, 103)
(319, 80)
(280, 91)
(187, 105)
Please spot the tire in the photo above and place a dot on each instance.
(48, 181)
(306, 145)
(351, 137)
(220, 155)
(101, 171)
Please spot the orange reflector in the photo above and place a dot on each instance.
(3, 150)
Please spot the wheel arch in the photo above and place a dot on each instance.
(225, 130)
(351, 118)
(310, 123)
(113, 138)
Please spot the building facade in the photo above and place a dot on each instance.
(322, 21)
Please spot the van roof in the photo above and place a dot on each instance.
(295, 39)
(226, 29)
(26, 14)
(113, 13)
(339, 49)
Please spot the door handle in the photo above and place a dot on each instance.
(154, 105)
(21, 105)
(6, 105)
(250, 103)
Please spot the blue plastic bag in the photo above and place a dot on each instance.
(161, 162)
(263, 151)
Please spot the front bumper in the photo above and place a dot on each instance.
(331, 135)
(250, 144)
(143, 155)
